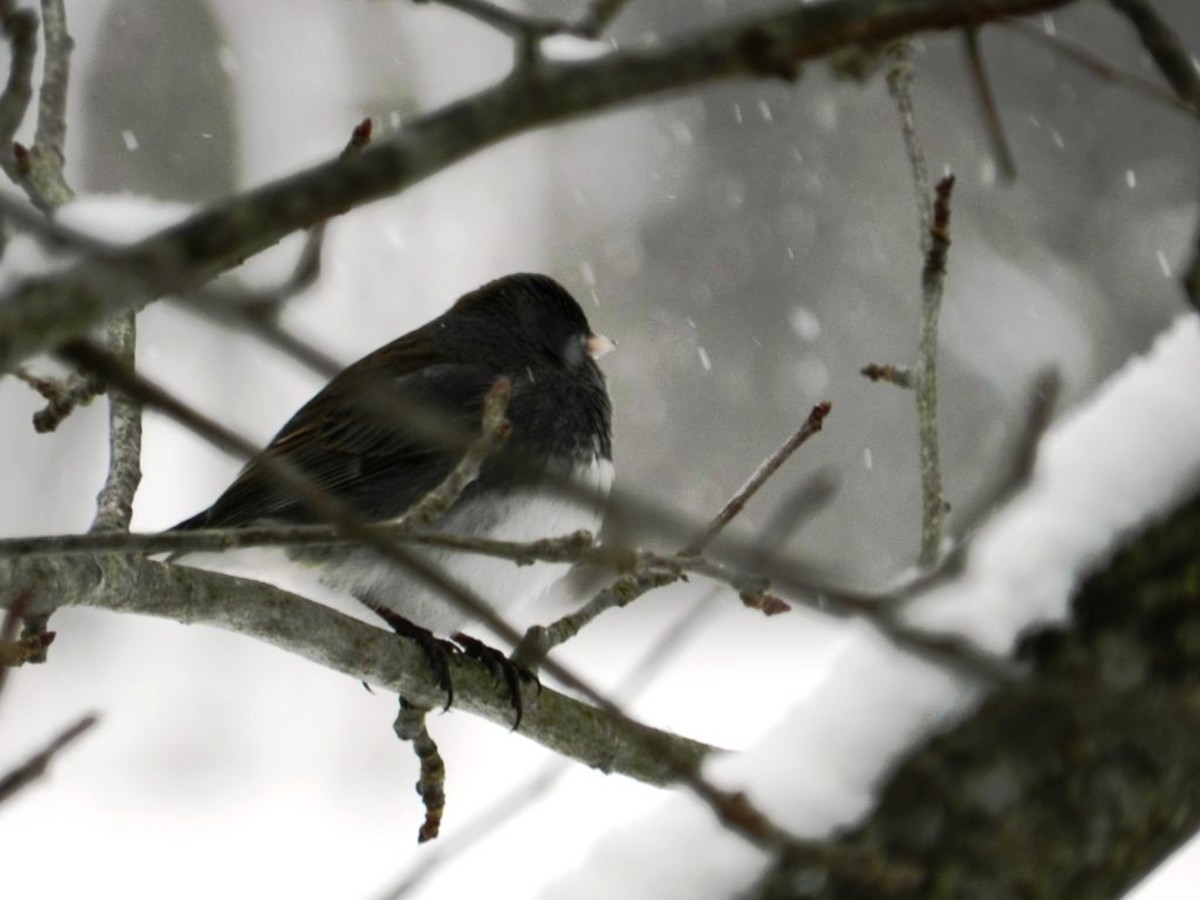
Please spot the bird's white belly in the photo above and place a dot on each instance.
(521, 516)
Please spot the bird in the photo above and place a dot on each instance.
(379, 461)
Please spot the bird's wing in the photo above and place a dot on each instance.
(361, 452)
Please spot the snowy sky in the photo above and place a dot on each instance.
(741, 295)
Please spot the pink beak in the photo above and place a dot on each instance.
(597, 345)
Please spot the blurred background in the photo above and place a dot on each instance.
(751, 246)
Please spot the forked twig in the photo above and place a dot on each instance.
(540, 640)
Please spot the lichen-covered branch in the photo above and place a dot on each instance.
(114, 503)
(345, 644)
(1079, 780)
(43, 177)
(900, 81)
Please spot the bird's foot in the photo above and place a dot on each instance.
(437, 650)
(513, 674)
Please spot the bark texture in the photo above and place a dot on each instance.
(1075, 783)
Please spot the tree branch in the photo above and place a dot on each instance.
(933, 283)
(541, 639)
(20, 30)
(45, 312)
(114, 504)
(1099, 786)
(760, 476)
(348, 645)
(987, 103)
(35, 767)
(43, 178)
(1165, 48)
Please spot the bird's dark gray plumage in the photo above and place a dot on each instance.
(526, 328)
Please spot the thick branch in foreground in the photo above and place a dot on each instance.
(345, 644)
(43, 313)
(1079, 781)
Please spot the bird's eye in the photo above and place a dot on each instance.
(575, 350)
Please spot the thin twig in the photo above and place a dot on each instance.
(599, 16)
(923, 376)
(890, 373)
(1016, 471)
(75, 391)
(46, 185)
(650, 569)
(431, 783)
(114, 503)
(540, 640)
(577, 547)
(933, 281)
(520, 797)
(768, 467)
(1098, 65)
(1018, 460)
(41, 175)
(482, 825)
(1165, 48)
(43, 178)
(260, 307)
(525, 29)
(63, 396)
(20, 30)
(530, 29)
(900, 82)
(9, 625)
(987, 102)
(797, 507)
(1178, 68)
(35, 767)
(495, 431)
(653, 570)
(15, 653)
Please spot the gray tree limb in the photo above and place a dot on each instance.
(1076, 782)
(345, 644)
(41, 314)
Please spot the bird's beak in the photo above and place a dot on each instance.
(597, 345)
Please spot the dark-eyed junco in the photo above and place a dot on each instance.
(525, 328)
